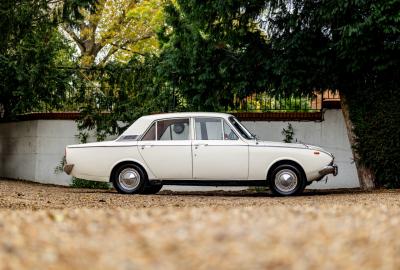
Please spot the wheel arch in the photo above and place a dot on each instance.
(285, 162)
(124, 162)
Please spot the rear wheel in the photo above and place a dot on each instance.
(287, 180)
(129, 179)
(151, 189)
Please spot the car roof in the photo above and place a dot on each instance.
(185, 114)
(141, 124)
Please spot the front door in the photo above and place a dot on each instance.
(218, 152)
(166, 149)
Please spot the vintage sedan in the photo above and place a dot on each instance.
(194, 148)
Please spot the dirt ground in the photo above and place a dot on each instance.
(48, 227)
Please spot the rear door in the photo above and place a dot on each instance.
(218, 152)
(166, 149)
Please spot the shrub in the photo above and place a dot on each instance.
(82, 183)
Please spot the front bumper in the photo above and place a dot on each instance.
(330, 169)
(68, 168)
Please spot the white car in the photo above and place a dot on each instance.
(195, 148)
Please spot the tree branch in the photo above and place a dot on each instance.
(74, 37)
(112, 51)
(99, 11)
(122, 46)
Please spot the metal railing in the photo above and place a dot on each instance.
(256, 102)
(262, 102)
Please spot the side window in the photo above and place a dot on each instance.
(229, 134)
(150, 134)
(173, 129)
(208, 129)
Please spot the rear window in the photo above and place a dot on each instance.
(173, 129)
(168, 130)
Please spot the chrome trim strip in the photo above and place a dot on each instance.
(200, 182)
(278, 146)
(131, 145)
(94, 146)
(155, 145)
(105, 146)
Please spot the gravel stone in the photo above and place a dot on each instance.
(65, 228)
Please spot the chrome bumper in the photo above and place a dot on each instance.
(68, 168)
(330, 169)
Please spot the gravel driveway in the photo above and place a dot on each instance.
(47, 227)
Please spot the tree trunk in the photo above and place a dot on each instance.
(365, 175)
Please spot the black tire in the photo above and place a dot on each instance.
(151, 189)
(295, 183)
(129, 179)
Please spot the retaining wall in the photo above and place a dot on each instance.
(32, 149)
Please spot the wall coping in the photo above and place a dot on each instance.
(243, 116)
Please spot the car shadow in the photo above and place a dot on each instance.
(225, 193)
(243, 193)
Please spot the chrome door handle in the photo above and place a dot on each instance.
(196, 146)
(146, 146)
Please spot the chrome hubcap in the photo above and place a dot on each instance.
(286, 180)
(129, 179)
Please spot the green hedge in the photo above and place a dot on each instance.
(376, 119)
(82, 183)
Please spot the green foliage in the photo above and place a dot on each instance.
(31, 50)
(27, 78)
(376, 119)
(82, 183)
(60, 167)
(288, 133)
(212, 51)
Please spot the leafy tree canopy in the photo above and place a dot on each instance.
(214, 50)
(30, 51)
(115, 29)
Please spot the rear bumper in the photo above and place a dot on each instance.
(68, 168)
(330, 169)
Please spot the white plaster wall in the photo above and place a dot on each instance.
(31, 150)
(18, 149)
(52, 137)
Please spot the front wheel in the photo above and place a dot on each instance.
(129, 179)
(287, 180)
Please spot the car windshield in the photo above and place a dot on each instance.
(241, 129)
